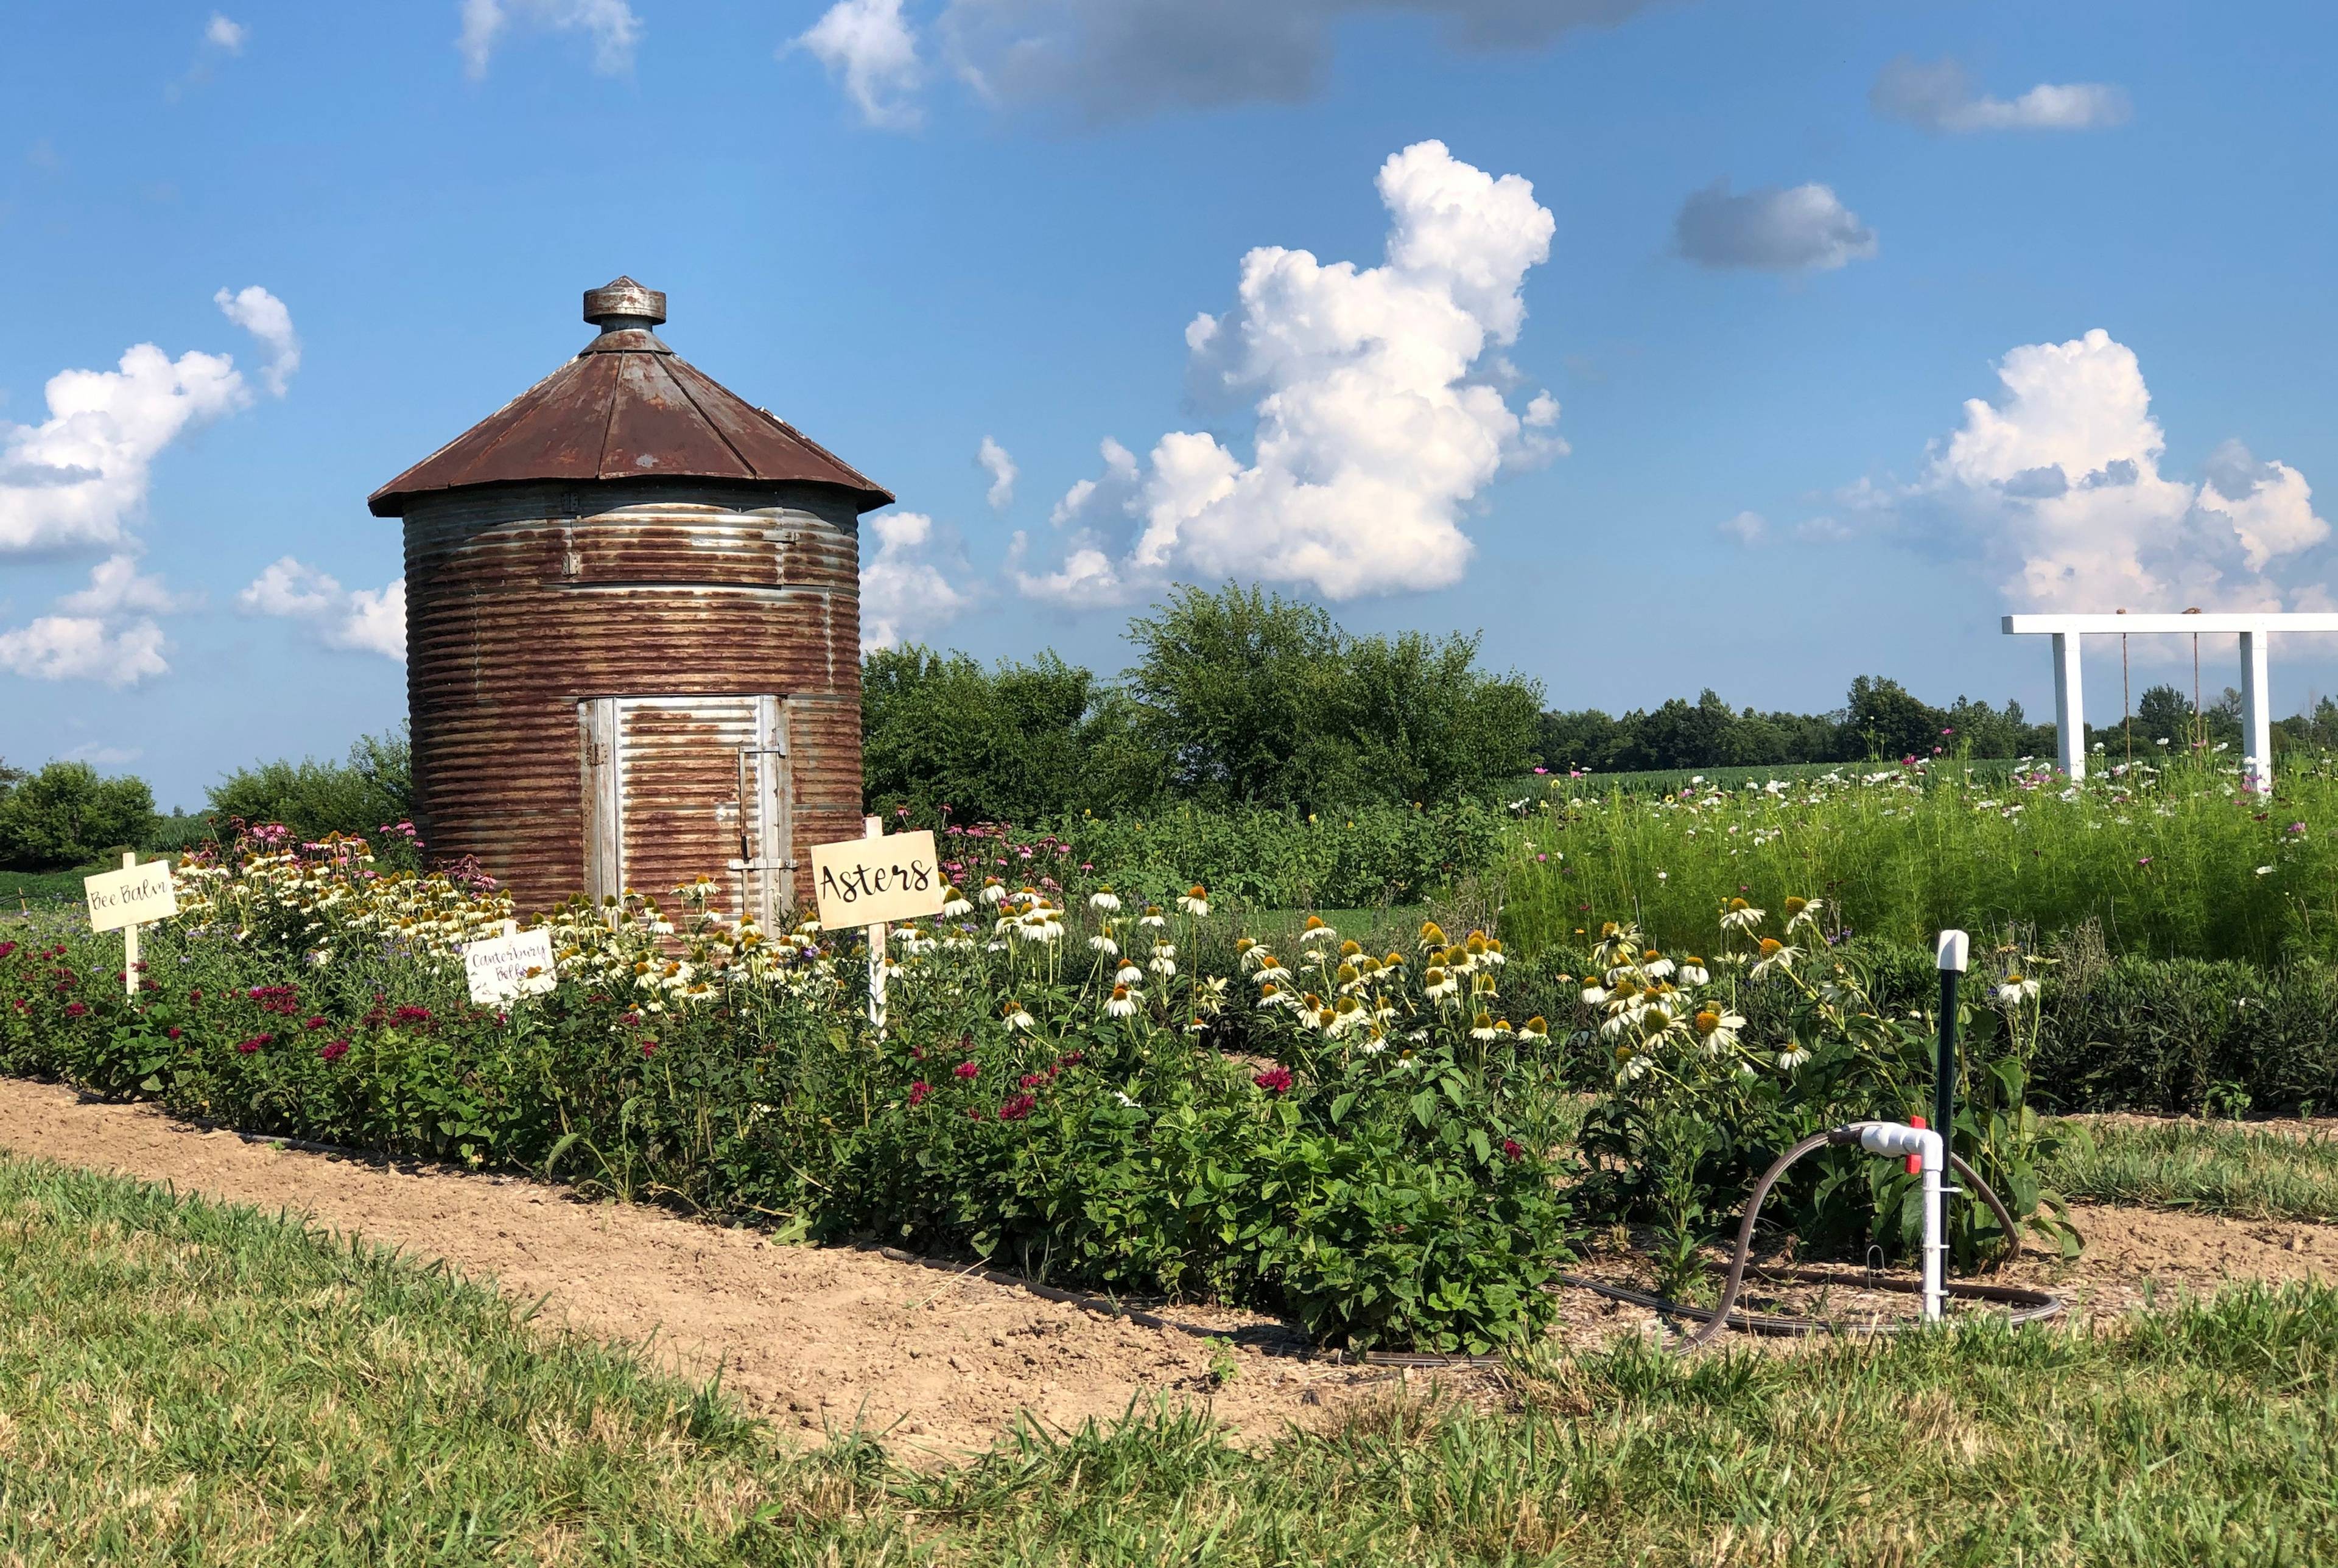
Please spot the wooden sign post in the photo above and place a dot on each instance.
(872, 880)
(126, 899)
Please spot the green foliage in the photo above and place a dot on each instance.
(2161, 861)
(66, 815)
(1880, 719)
(373, 788)
(1358, 857)
(1695, 1111)
(1255, 699)
(1238, 701)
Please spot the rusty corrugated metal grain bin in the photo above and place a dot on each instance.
(633, 631)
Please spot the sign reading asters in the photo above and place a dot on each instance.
(872, 881)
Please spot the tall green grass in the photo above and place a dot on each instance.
(2168, 863)
(2251, 1172)
(188, 1383)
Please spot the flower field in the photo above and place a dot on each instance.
(1092, 1088)
(2179, 861)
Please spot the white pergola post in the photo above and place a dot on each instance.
(2256, 712)
(2253, 628)
(2070, 706)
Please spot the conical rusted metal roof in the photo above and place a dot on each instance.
(626, 407)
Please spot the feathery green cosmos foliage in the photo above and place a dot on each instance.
(193, 1384)
(2180, 861)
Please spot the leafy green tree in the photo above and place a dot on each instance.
(1884, 720)
(373, 788)
(1256, 700)
(1012, 744)
(66, 815)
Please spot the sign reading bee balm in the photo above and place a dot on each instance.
(874, 880)
(133, 896)
(514, 964)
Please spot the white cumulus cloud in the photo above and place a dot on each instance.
(1748, 528)
(870, 47)
(1942, 98)
(1773, 229)
(80, 477)
(1375, 422)
(611, 25)
(2058, 486)
(263, 315)
(906, 585)
(362, 620)
(994, 461)
(223, 34)
(84, 648)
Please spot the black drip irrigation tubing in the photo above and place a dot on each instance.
(2029, 1306)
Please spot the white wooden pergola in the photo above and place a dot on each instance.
(2253, 628)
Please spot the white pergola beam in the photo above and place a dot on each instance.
(2255, 629)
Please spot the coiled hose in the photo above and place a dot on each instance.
(2032, 1306)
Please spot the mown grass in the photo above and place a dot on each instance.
(186, 1383)
(2181, 863)
(2216, 1167)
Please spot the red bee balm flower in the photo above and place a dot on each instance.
(246, 1047)
(919, 1091)
(1275, 1080)
(1018, 1108)
(76, 1009)
(6, 949)
(172, 1033)
(1032, 1080)
(1514, 1149)
(317, 1023)
(336, 1051)
(648, 1047)
(411, 1015)
(967, 1069)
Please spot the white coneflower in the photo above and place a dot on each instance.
(1317, 931)
(954, 904)
(1122, 1005)
(1196, 901)
(1494, 954)
(1535, 1031)
(1440, 983)
(1103, 899)
(1693, 972)
(1165, 961)
(1272, 995)
(1154, 918)
(1657, 968)
(1740, 915)
(1248, 951)
(1104, 944)
(1594, 995)
(1271, 969)
(993, 890)
(1483, 1027)
(1790, 1059)
(1017, 1018)
(1128, 974)
(2017, 988)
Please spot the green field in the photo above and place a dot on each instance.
(2179, 863)
(185, 1383)
(2249, 1171)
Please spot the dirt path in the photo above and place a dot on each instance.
(815, 1337)
(809, 1337)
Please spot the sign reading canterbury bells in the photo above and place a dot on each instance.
(133, 896)
(875, 881)
(503, 967)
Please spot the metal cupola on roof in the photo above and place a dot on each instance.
(633, 631)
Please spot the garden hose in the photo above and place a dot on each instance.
(2032, 1306)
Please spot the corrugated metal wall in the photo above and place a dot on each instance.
(525, 601)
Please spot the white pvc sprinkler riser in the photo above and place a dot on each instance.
(1898, 1139)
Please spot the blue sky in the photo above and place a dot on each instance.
(1778, 264)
